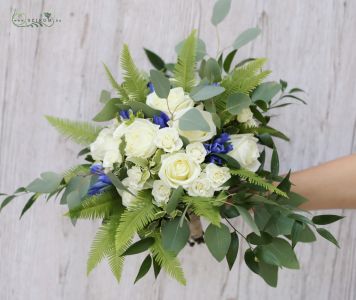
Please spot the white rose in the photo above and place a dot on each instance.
(120, 130)
(106, 148)
(176, 101)
(245, 115)
(178, 170)
(134, 179)
(161, 192)
(201, 187)
(196, 135)
(140, 137)
(168, 139)
(217, 175)
(245, 151)
(196, 151)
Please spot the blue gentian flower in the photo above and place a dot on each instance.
(220, 145)
(161, 120)
(151, 87)
(125, 114)
(102, 182)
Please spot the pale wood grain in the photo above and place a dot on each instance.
(58, 71)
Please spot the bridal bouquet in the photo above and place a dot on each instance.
(189, 140)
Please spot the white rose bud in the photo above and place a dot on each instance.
(140, 137)
(178, 169)
(168, 139)
(245, 151)
(106, 148)
(134, 179)
(161, 192)
(196, 151)
(196, 135)
(217, 175)
(177, 100)
(201, 187)
(245, 115)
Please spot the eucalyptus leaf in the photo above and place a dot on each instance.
(109, 111)
(269, 273)
(248, 219)
(140, 246)
(193, 120)
(233, 250)
(104, 96)
(48, 183)
(218, 240)
(6, 201)
(274, 162)
(237, 102)
(118, 184)
(302, 233)
(161, 83)
(228, 60)
(251, 261)
(29, 203)
(201, 49)
(266, 91)
(328, 235)
(220, 11)
(246, 37)
(148, 111)
(326, 219)
(155, 60)
(212, 70)
(174, 236)
(280, 253)
(145, 267)
(206, 92)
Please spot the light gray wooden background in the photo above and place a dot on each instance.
(58, 71)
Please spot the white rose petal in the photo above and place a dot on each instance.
(178, 170)
(217, 175)
(245, 115)
(196, 135)
(177, 100)
(139, 137)
(201, 187)
(127, 198)
(196, 151)
(161, 192)
(106, 148)
(245, 151)
(168, 139)
(134, 179)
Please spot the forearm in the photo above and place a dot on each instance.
(330, 185)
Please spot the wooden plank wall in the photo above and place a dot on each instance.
(58, 71)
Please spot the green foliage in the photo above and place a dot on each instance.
(104, 246)
(160, 83)
(155, 60)
(167, 260)
(257, 180)
(175, 235)
(117, 87)
(242, 80)
(134, 83)
(109, 111)
(96, 207)
(231, 254)
(48, 183)
(220, 11)
(326, 234)
(204, 207)
(174, 199)
(218, 239)
(248, 219)
(326, 219)
(184, 70)
(193, 120)
(140, 246)
(82, 133)
(145, 267)
(245, 37)
(140, 214)
(75, 171)
(237, 102)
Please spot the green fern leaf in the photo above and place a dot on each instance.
(141, 213)
(134, 84)
(257, 180)
(205, 207)
(96, 207)
(75, 171)
(242, 80)
(117, 87)
(184, 70)
(82, 133)
(167, 260)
